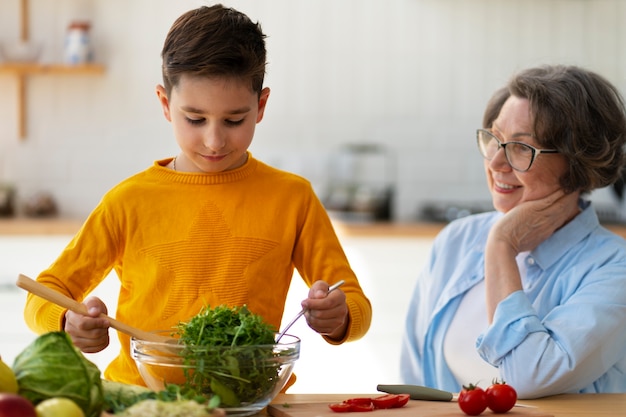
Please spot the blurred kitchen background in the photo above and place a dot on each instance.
(374, 101)
(407, 78)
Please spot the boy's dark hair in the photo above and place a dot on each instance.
(214, 42)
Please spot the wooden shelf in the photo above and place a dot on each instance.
(22, 70)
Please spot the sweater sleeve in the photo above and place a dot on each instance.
(318, 255)
(81, 266)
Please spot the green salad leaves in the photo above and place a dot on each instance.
(231, 351)
(226, 326)
(51, 366)
(119, 396)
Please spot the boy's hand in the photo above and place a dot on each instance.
(89, 333)
(327, 313)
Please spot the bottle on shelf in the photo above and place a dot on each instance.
(78, 48)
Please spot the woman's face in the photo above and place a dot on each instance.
(507, 186)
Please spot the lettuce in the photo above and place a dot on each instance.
(51, 366)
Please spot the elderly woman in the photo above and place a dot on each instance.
(533, 293)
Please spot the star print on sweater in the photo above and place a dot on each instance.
(219, 257)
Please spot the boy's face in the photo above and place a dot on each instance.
(213, 121)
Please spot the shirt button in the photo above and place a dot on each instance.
(530, 261)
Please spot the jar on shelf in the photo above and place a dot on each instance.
(78, 43)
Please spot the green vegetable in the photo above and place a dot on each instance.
(51, 366)
(157, 408)
(226, 326)
(218, 344)
(119, 396)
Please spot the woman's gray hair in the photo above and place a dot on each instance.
(581, 114)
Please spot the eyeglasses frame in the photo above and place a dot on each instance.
(535, 151)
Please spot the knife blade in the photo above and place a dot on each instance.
(417, 392)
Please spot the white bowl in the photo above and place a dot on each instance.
(21, 51)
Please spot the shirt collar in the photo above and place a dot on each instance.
(553, 248)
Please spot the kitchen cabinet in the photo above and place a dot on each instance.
(21, 71)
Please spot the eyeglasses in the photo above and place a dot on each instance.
(518, 154)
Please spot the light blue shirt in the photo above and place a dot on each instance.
(565, 333)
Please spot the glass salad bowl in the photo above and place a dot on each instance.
(245, 377)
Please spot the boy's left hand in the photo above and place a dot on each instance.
(327, 313)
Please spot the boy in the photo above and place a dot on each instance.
(212, 225)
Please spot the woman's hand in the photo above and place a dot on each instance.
(524, 227)
(89, 333)
(521, 229)
(327, 313)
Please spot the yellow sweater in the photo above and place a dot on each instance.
(180, 241)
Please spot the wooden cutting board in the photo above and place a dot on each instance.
(412, 409)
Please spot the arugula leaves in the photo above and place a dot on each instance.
(226, 326)
(229, 353)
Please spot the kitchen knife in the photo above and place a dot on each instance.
(417, 392)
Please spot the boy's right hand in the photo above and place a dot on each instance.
(89, 333)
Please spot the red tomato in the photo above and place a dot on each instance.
(391, 401)
(500, 397)
(359, 401)
(472, 400)
(353, 404)
(362, 407)
(385, 401)
(369, 404)
(340, 407)
(403, 399)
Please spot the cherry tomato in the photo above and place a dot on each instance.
(472, 400)
(362, 407)
(340, 407)
(501, 397)
(353, 404)
(403, 399)
(359, 401)
(369, 404)
(391, 401)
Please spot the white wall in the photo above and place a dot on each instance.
(411, 74)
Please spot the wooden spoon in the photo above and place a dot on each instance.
(62, 300)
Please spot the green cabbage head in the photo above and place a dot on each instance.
(51, 366)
